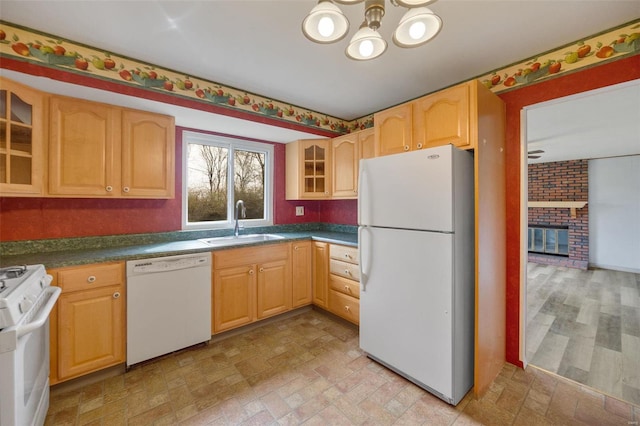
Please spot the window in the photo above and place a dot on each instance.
(217, 172)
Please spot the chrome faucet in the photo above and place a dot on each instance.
(239, 204)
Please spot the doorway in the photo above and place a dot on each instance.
(583, 322)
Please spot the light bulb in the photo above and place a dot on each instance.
(326, 26)
(417, 30)
(366, 48)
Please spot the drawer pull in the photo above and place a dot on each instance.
(347, 309)
(91, 279)
(261, 269)
(348, 272)
(346, 256)
(406, 148)
(109, 188)
(116, 295)
(419, 146)
(250, 271)
(125, 189)
(346, 288)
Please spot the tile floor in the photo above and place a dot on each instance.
(308, 369)
(585, 326)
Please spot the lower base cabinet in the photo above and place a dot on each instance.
(88, 323)
(249, 284)
(344, 283)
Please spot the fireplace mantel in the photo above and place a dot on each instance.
(573, 205)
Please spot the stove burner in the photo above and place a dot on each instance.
(12, 272)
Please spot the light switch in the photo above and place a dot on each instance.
(299, 210)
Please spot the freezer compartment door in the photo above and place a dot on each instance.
(406, 303)
(412, 190)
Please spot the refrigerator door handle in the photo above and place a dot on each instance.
(364, 253)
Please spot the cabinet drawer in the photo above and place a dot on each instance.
(343, 285)
(345, 306)
(344, 253)
(344, 269)
(90, 276)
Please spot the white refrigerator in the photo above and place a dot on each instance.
(416, 239)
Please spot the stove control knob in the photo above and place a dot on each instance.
(25, 305)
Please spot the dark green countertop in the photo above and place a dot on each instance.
(57, 254)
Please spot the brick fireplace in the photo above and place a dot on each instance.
(554, 189)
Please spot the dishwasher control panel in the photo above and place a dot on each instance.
(166, 264)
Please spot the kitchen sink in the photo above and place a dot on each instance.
(240, 239)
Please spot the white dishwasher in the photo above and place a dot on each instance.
(168, 305)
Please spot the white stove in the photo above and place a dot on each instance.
(20, 289)
(26, 300)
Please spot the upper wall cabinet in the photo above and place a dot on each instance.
(21, 140)
(393, 130)
(346, 153)
(97, 150)
(148, 152)
(445, 117)
(308, 172)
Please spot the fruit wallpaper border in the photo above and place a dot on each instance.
(42, 49)
(47, 50)
(593, 50)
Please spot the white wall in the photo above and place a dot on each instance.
(614, 213)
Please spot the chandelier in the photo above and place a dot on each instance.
(327, 24)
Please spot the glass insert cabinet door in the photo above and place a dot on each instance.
(315, 158)
(21, 124)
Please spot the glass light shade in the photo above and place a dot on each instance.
(417, 27)
(414, 3)
(325, 23)
(366, 44)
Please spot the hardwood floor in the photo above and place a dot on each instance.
(308, 369)
(585, 326)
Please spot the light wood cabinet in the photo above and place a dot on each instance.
(88, 324)
(301, 270)
(148, 155)
(320, 274)
(249, 284)
(345, 155)
(22, 118)
(446, 117)
(98, 150)
(344, 285)
(83, 148)
(367, 142)
(234, 297)
(308, 169)
(393, 130)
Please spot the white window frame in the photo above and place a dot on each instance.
(231, 144)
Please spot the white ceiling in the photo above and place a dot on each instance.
(258, 46)
(596, 124)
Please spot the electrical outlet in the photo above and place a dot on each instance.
(299, 210)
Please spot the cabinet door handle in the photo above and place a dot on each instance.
(261, 269)
(109, 188)
(419, 146)
(346, 308)
(116, 295)
(250, 271)
(91, 279)
(406, 147)
(295, 248)
(125, 189)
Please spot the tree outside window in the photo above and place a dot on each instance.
(213, 183)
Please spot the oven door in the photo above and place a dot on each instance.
(24, 366)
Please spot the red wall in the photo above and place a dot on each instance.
(41, 218)
(593, 78)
